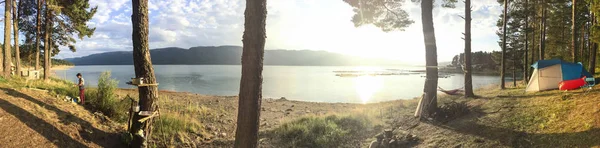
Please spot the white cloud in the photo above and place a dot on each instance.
(291, 24)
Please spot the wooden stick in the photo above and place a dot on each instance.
(419, 106)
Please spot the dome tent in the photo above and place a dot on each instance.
(548, 73)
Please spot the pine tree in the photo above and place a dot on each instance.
(250, 95)
(70, 17)
(16, 35)
(389, 16)
(143, 69)
(468, 64)
(38, 34)
(574, 32)
(503, 60)
(7, 27)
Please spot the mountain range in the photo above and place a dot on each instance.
(230, 55)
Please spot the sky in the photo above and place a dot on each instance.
(291, 25)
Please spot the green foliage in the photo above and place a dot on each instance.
(317, 132)
(387, 15)
(70, 17)
(480, 61)
(105, 100)
(61, 62)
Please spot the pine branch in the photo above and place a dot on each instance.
(389, 10)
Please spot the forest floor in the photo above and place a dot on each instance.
(31, 117)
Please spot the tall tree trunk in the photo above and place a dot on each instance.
(38, 34)
(47, 43)
(515, 65)
(429, 100)
(250, 96)
(594, 50)
(592, 65)
(503, 60)
(525, 63)
(50, 50)
(542, 31)
(588, 38)
(468, 65)
(7, 27)
(581, 44)
(16, 34)
(514, 72)
(533, 25)
(143, 69)
(574, 34)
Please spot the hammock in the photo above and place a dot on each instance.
(450, 92)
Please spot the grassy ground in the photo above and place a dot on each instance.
(498, 118)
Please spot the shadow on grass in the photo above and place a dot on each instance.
(513, 138)
(42, 127)
(97, 136)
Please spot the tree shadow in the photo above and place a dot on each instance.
(40, 126)
(88, 132)
(513, 138)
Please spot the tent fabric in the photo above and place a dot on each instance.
(533, 82)
(549, 73)
(545, 63)
(549, 77)
(571, 71)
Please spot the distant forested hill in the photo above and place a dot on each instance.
(229, 55)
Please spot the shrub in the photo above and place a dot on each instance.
(315, 132)
(450, 111)
(105, 100)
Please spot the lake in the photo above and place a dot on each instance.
(348, 84)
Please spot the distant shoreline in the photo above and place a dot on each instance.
(61, 67)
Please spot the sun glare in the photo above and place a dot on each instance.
(367, 86)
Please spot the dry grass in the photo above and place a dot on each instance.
(497, 118)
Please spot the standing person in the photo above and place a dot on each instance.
(81, 83)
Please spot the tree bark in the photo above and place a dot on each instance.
(38, 35)
(7, 27)
(588, 36)
(16, 34)
(46, 43)
(143, 69)
(430, 97)
(515, 65)
(592, 65)
(543, 31)
(574, 34)
(250, 96)
(503, 60)
(533, 43)
(525, 63)
(581, 44)
(594, 51)
(468, 65)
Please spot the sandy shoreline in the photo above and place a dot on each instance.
(61, 67)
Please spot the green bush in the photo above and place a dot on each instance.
(105, 100)
(317, 132)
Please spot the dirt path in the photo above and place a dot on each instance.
(30, 118)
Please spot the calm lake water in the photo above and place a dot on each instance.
(305, 83)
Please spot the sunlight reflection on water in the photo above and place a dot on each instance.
(367, 85)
